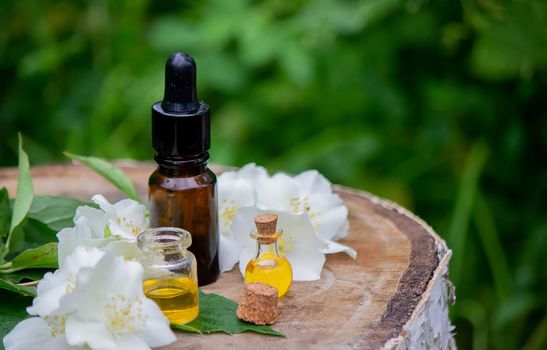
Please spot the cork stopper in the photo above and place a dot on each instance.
(266, 225)
(259, 304)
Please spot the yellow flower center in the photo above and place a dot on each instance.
(301, 204)
(122, 313)
(229, 209)
(129, 225)
(56, 324)
(70, 284)
(286, 243)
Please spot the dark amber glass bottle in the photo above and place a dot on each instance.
(182, 190)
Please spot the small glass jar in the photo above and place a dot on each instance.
(170, 272)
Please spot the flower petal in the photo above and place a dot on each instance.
(229, 252)
(130, 208)
(53, 286)
(68, 241)
(122, 231)
(252, 172)
(312, 182)
(82, 257)
(306, 264)
(91, 292)
(94, 218)
(328, 214)
(239, 191)
(298, 232)
(233, 195)
(249, 172)
(110, 277)
(71, 238)
(342, 232)
(125, 277)
(132, 212)
(130, 342)
(245, 256)
(243, 225)
(155, 331)
(50, 290)
(126, 249)
(93, 334)
(104, 205)
(34, 334)
(280, 192)
(335, 247)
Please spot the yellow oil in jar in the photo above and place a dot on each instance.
(270, 269)
(176, 297)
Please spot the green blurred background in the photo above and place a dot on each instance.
(438, 105)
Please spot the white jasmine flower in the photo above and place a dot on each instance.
(114, 227)
(321, 199)
(63, 281)
(103, 307)
(309, 192)
(299, 242)
(108, 309)
(125, 219)
(236, 190)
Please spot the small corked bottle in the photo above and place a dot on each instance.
(268, 266)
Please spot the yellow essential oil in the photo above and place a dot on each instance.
(270, 269)
(268, 266)
(176, 297)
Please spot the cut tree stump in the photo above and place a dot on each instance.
(393, 296)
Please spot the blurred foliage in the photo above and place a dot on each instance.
(439, 105)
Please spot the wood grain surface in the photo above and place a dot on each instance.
(359, 303)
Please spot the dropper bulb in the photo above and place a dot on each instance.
(180, 84)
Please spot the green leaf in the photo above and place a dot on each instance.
(12, 311)
(12, 287)
(5, 213)
(44, 256)
(35, 234)
(56, 212)
(114, 175)
(218, 314)
(23, 200)
(27, 275)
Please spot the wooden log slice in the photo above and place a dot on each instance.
(394, 295)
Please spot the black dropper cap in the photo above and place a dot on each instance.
(180, 123)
